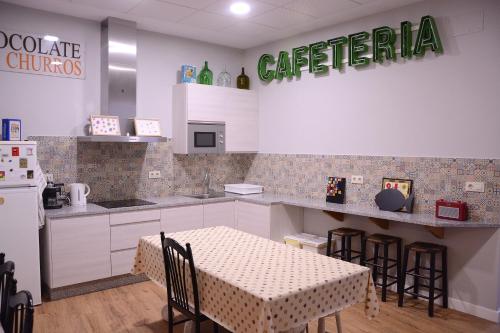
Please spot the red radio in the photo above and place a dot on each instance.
(451, 210)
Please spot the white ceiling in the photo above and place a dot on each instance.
(211, 21)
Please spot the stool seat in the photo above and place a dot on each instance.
(382, 239)
(426, 247)
(347, 232)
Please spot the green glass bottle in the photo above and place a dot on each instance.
(205, 76)
(243, 81)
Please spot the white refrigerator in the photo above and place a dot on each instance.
(19, 213)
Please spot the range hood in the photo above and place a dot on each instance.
(118, 80)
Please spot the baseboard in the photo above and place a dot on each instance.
(475, 310)
(466, 307)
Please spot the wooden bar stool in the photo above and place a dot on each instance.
(421, 248)
(385, 241)
(346, 251)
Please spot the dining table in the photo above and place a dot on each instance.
(250, 284)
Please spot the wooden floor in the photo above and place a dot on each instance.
(136, 308)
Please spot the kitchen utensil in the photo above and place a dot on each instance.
(79, 193)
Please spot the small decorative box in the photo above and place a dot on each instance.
(335, 190)
(11, 129)
(188, 74)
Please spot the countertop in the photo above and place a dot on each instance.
(271, 199)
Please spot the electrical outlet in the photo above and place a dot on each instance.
(474, 187)
(154, 174)
(357, 179)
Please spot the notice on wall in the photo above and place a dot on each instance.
(34, 53)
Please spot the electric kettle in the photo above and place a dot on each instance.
(78, 193)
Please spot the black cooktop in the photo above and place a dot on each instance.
(124, 203)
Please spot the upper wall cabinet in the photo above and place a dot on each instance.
(238, 108)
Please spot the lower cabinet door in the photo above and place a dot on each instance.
(122, 262)
(80, 250)
(254, 219)
(182, 218)
(219, 214)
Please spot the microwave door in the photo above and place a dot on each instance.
(202, 139)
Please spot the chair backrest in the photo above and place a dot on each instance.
(2, 258)
(8, 287)
(20, 313)
(176, 257)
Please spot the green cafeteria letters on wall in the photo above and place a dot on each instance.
(383, 48)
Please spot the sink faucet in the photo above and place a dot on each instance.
(206, 182)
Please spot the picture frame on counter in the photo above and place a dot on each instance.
(147, 127)
(405, 186)
(104, 125)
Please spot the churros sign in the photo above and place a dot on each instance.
(41, 54)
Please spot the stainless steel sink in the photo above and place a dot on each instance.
(208, 195)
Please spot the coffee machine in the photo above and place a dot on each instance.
(53, 196)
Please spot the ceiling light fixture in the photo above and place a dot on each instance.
(240, 8)
(51, 38)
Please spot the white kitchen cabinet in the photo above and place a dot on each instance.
(238, 108)
(182, 218)
(269, 221)
(126, 230)
(78, 250)
(219, 214)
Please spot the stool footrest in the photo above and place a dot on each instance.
(422, 296)
(387, 285)
(424, 276)
(380, 266)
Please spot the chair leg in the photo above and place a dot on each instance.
(384, 272)
(197, 326)
(363, 251)
(402, 282)
(432, 282)
(342, 248)
(398, 265)
(338, 322)
(348, 249)
(329, 244)
(444, 281)
(375, 263)
(170, 319)
(416, 280)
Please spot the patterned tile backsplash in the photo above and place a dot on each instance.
(117, 171)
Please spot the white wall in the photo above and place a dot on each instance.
(445, 106)
(59, 106)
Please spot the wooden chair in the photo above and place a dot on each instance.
(7, 288)
(346, 252)
(176, 258)
(20, 313)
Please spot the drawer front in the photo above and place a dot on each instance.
(219, 214)
(126, 236)
(133, 217)
(122, 262)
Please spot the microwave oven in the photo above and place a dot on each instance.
(206, 138)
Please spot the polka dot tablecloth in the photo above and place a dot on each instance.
(251, 284)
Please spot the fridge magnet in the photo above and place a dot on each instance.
(147, 127)
(11, 129)
(105, 125)
(335, 190)
(188, 74)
